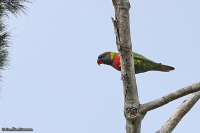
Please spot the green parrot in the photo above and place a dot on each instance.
(142, 64)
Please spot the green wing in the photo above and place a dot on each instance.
(143, 64)
(141, 57)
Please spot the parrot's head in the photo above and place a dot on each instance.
(104, 58)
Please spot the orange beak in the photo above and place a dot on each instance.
(99, 61)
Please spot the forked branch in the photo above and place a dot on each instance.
(180, 113)
(133, 111)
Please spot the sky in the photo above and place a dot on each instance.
(54, 84)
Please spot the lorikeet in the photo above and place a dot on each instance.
(142, 64)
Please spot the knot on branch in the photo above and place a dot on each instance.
(130, 112)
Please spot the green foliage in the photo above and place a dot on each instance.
(14, 7)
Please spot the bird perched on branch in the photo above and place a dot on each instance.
(142, 64)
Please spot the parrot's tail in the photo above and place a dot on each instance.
(165, 68)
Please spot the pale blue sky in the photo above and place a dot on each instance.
(54, 84)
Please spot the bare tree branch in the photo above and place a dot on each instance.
(180, 113)
(170, 97)
(124, 46)
(133, 111)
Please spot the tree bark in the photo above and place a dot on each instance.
(134, 112)
(124, 46)
(170, 97)
(180, 113)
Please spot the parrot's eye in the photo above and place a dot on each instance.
(102, 56)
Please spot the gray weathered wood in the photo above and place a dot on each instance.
(124, 46)
(170, 97)
(134, 112)
(180, 113)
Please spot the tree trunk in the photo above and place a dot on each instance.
(124, 46)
